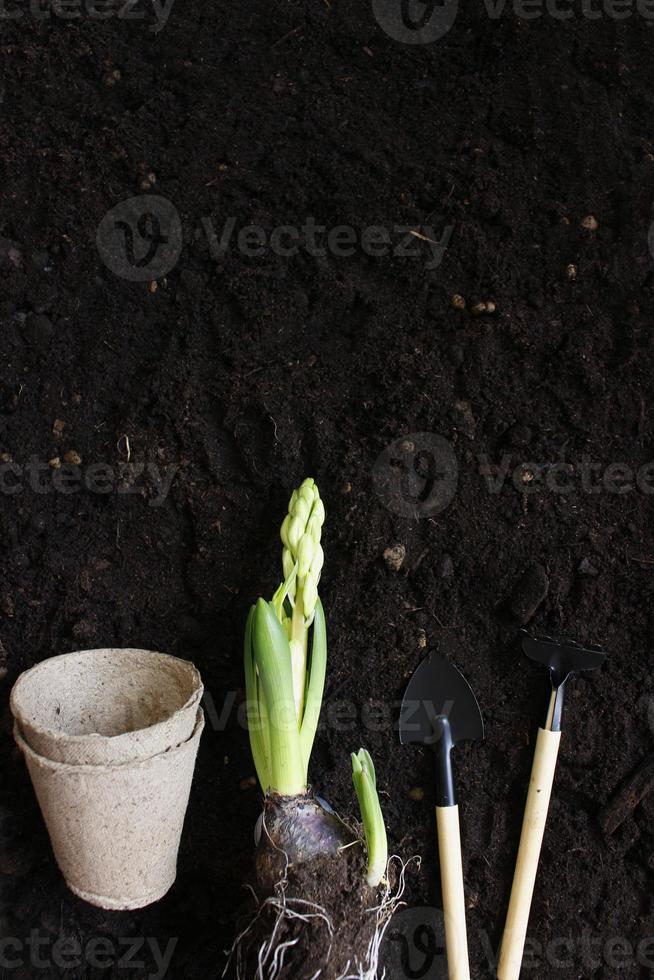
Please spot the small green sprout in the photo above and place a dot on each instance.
(365, 785)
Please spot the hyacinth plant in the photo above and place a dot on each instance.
(284, 687)
(285, 664)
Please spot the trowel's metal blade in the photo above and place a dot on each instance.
(562, 656)
(438, 689)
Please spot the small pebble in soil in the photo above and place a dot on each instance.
(55, 463)
(57, 428)
(458, 302)
(422, 639)
(571, 271)
(486, 306)
(529, 593)
(590, 223)
(248, 783)
(587, 568)
(416, 794)
(72, 457)
(394, 557)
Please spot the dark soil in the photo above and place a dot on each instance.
(240, 375)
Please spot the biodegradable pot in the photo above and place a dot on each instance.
(106, 707)
(115, 830)
(110, 739)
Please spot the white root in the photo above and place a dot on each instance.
(367, 969)
(272, 953)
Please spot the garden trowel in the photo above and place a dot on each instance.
(440, 710)
(562, 658)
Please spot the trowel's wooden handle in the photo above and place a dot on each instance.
(449, 851)
(533, 828)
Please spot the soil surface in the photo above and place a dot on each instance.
(181, 401)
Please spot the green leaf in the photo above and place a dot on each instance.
(315, 685)
(272, 660)
(256, 725)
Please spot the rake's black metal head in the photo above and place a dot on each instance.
(436, 691)
(563, 657)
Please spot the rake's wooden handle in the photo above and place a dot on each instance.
(449, 851)
(531, 839)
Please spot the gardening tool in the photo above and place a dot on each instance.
(439, 709)
(562, 658)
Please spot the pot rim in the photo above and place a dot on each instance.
(79, 739)
(81, 768)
